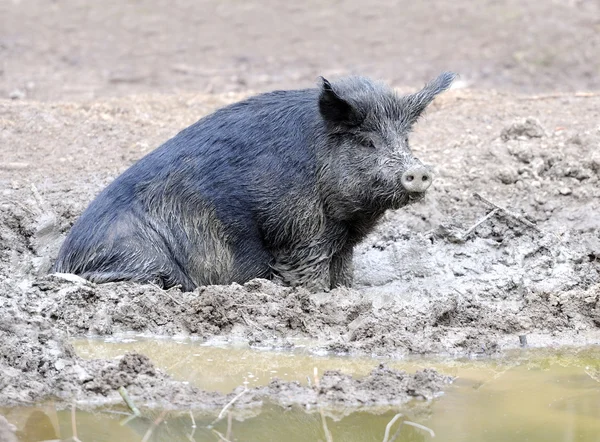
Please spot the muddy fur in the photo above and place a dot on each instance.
(280, 186)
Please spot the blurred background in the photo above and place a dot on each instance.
(81, 49)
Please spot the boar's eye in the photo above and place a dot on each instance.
(362, 140)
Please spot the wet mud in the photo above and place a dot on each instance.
(523, 171)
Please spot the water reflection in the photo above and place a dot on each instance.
(529, 396)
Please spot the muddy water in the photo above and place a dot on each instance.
(525, 396)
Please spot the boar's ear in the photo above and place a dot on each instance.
(335, 109)
(415, 104)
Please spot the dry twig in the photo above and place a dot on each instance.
(131, 405)
(323, 419)
(221, 437)
(129, 401)
(166, 292)
(229, 425)
(388, 427)
(507, 212)
(74, 424)
(422, 427)
(191, 435)
(551, 96)
(38, 197)
(463, 237)
(412, 424)
(226, 407)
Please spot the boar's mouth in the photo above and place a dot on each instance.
(391, 197)
(414, 197)
(404, 198)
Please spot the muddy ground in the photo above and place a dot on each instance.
(422, 286)
(69, 49)
(80, 112)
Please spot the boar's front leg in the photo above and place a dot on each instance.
(341, 269)
(307, 267)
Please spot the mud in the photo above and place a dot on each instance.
(72, 50)
(422, 285)
(7, 431)
(383, 387)
(445, 276)
(38, 364)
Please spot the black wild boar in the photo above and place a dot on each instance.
(282, 185)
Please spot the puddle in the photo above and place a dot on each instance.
(223, 368)
(525, 396)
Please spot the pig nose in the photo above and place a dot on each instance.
(417, 179)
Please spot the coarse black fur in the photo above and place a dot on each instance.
(282, 185)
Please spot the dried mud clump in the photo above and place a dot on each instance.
(382, 387)
(131, 368)
(35, 362)
(526, 128)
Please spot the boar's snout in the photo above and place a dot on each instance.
(417, 179)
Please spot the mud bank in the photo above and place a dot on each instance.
(38, 364)
(429, 280)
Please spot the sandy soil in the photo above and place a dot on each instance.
(83, 109)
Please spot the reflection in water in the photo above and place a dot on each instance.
(38, 427)
(530, 396)
(271, 424)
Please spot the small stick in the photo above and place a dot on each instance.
(191, 435)
(155, 424)
(464, 236)
(74, 424)
(323, 420)
(412, 424)
(229, 404)
(37, 196)
(509, 213)
(592, 374)
(193, 420)
(221, 437)
(129, 402)
(166, 293)
(550, 96)
(388, 427)
(422, 427)
(229, 424)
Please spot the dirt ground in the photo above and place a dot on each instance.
(72, 49)
(88, 98)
